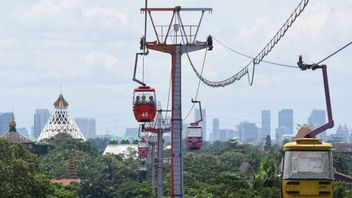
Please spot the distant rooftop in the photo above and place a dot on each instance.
(117, 149)
(65, 182)
(14, 136)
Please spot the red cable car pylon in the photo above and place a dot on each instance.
(176, 41)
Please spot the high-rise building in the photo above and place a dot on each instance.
(266, 127)
(4, 122)
(41, 116)
(216, 129)
(236, 135)
(231, 134)
(87, 126)
(223, 134)
(316, 119)
(226, 134)
(248, 132)
(285, 127)
(211, 138)
(203, 123)
(343, 133)
(132, 132)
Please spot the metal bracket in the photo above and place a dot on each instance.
(330, 123)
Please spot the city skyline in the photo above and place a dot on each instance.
(83, 53)
(313, 116)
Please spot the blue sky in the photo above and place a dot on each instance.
(88, 46)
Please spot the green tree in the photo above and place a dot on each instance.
(101, 176)
(63, 141)
(342, 189)
(267, 146)
(266, 176)
(62, 192)
(100, 143)
(20, 174)
(343, 163)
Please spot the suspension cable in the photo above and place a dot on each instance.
(251, 57)
(183, 36)
(257, 59)
(331, 55)
(196, 96)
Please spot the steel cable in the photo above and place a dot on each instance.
(183, 36)
(251, 57)
(265, 51)
(196, 96)
(337, 51)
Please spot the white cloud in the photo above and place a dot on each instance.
(9, 43)
(106, 16)
(49, 12)
(255, 36)
(71, 16)
(89, 46)
(101, 58)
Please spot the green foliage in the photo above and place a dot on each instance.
(101, 176)
(342, 189)
(209, 173)
(343, 163)
(214, 172)
(56, 161)
(267, 146)
(267, 176)
(100, 143)
(20, 174)
(111, 177)
(62, 142)
(61, 192)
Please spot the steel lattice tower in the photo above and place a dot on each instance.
(177, 40)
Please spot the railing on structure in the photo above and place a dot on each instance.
(177, 36)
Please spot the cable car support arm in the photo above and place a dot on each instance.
(200, 111)
(330, 122)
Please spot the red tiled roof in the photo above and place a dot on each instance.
(65, 182)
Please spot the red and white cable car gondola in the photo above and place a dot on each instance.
(144, 105)
(143, 147)
(194, 135)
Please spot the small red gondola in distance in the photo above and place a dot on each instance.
(144, 105)
(194, 136)
(143, 148)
